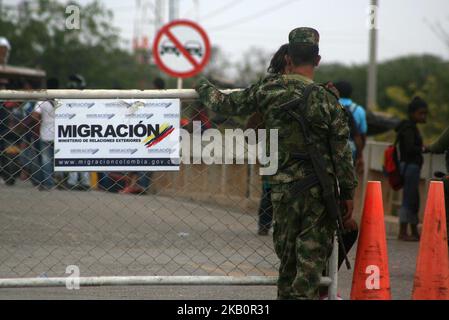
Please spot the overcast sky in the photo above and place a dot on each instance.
(237, 25)
(342, 24)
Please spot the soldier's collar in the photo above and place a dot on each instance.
(298, 77)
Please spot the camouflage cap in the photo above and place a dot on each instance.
(304, 35)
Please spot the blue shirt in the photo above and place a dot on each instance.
(358, 114)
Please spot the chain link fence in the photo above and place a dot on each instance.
(199, 221)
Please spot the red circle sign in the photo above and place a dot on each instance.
(181, 49)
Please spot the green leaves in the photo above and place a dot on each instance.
(41, 39)
(399, 80)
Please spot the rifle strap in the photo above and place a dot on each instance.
(304, 184)
(302, 103)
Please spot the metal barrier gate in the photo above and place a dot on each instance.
(187, 227)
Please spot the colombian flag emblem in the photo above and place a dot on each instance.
(152, 140)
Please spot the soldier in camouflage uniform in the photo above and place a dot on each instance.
(303, 231)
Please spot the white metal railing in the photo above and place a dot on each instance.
(374, 153)
(148, 280)
(183, 94)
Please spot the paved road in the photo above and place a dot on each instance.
(41, 233)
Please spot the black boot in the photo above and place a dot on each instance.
(403, 232)
(415, 234)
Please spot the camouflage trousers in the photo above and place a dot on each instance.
(303, 238)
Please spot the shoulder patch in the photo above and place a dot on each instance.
(331, 90)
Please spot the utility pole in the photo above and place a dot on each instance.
(159, 13)
(173, 11)
(173, 14)
(197, 9)
(372, 65)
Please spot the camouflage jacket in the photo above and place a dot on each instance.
(327, 121)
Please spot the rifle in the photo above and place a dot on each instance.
(325, 181)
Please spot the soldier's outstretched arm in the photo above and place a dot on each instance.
(233, 104)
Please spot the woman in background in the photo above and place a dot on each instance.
(277, 66)
(411, 158)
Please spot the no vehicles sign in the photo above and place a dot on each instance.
(181, 49)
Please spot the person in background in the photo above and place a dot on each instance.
(44, 113)
(277, 66)
(358, 134)
(12, 141)
(78, 180)
(3, 128)
(411, 160)
(158, 83)
(3, 83)
(29, 157)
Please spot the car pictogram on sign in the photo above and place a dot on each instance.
(168, 47)
(194, 48)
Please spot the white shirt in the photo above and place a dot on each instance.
(47, 112)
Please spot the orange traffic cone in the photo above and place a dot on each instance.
(432, 267)
(371, 279)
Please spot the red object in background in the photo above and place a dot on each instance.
(392, 169)
(117, 177)
(11, 104)
(132, 190)
(184, 122)
(204, 118)
(146, 43)
(390, 163)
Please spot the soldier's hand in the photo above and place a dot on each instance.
(347, 207)
(359, 165)
(350, 225)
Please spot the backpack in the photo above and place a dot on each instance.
(353, 130)
(391, 166)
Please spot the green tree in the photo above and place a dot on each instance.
(252, 66)
(434, 91)
(399, 80)
(39, 38)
